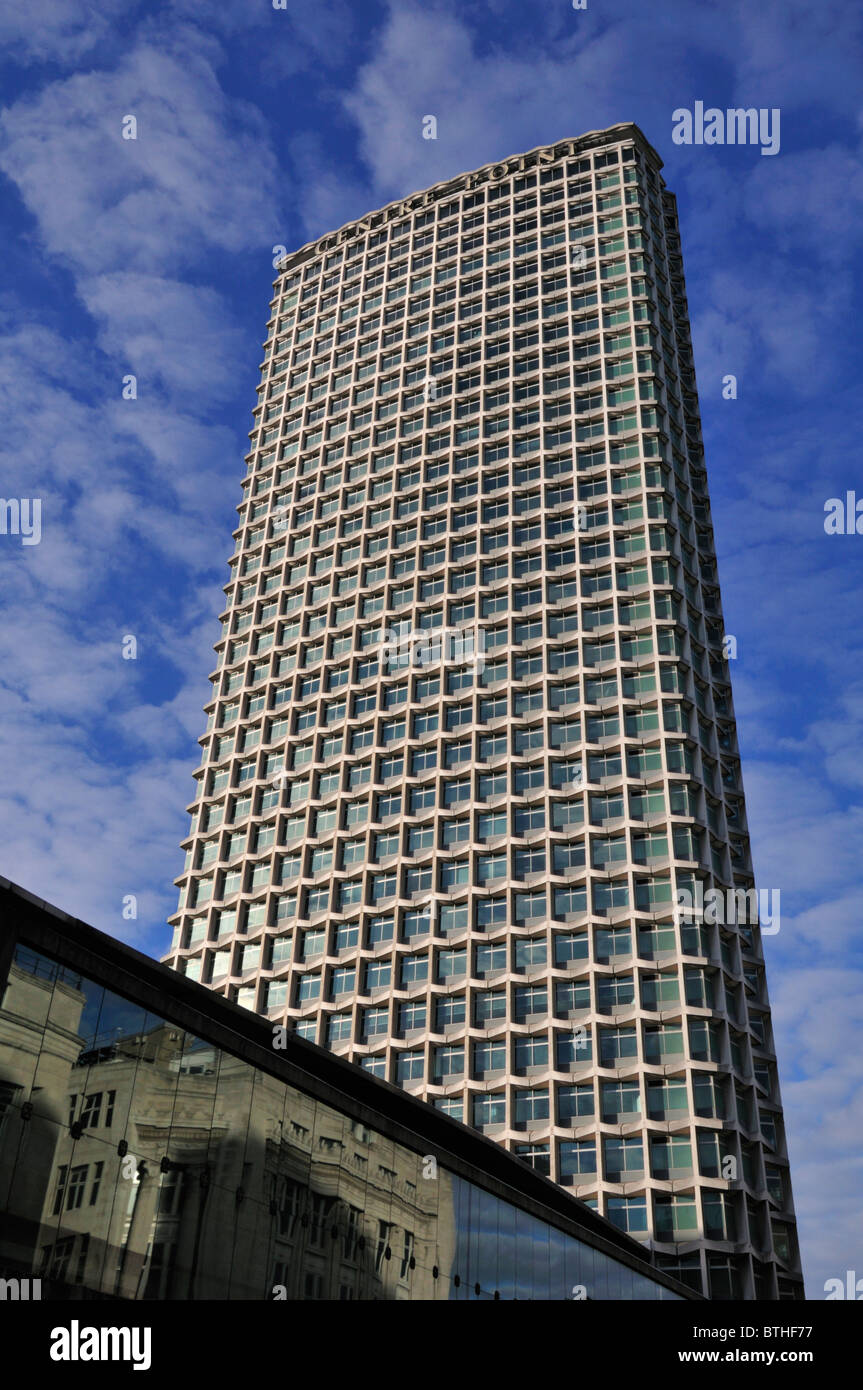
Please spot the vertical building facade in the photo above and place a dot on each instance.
(470, 809)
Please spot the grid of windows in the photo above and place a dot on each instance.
(471, 731)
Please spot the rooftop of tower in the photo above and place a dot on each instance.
(473, 178)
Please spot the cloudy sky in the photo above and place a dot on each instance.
(258, 126)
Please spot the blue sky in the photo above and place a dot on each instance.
(258, 127)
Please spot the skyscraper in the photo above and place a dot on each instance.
(470, 809)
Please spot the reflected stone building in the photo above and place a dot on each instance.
(471, 740)
(158, 1143)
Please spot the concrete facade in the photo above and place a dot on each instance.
(471, 745)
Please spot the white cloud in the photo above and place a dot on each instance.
(57, 30)
(818, 1014)
(805, 840)
(199, 175)
(156, 328)
(137, 494)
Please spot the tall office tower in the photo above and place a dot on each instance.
(470, 810)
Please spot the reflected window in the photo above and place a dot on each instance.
(537, 1155)
(489, 1109)
(628, 1214)
(578, 1158)
(531, 1106)
(448, 1061)
(450, 1105)
(407, 1254)
(410, 1066)
(382, 1249)
(338, 1028)
(574, 1102)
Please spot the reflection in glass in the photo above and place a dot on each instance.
(142, 1162)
